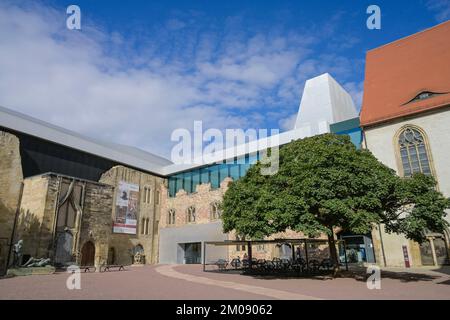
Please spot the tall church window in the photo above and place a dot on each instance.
(414, 154)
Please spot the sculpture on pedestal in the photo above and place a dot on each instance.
(33, 262)
(17, 251)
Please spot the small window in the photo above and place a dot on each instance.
(146, 225)
(147, 194)
(215, 211)
(240, 247)
(424, 95)
(157, 197)
(191, 215)
(142, 226)
(171, 216)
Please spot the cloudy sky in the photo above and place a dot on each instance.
(137, 70)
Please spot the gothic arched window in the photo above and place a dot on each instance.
(171, 216)
(215, 211)
(413, 151)
(191, 216)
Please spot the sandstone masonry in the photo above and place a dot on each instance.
(10, 189)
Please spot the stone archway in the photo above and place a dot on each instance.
(434, 250)
(88, 254)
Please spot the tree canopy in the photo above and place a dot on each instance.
(324, 183)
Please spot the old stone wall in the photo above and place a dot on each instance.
(36, 218)
(10, 185)
(96, 223)
(202, 200)
(150, 203)
(42, 196)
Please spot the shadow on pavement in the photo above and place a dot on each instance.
(358, 275)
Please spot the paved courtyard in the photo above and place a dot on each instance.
(189, 282)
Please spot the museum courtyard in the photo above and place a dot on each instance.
(189, 282)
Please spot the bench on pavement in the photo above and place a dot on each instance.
(88, 268)
(110, 267)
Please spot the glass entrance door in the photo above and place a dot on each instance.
(192, 253)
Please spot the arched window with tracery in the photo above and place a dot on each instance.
(191, 215)
(215, 212)
(171, 216)
(413, 151)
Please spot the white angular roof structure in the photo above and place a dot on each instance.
(324, 102)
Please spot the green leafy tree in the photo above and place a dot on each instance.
(325, 184)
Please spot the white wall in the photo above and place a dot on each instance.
(324, 102)
(381, 142)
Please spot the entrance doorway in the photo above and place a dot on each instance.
(88, 254)
(358, 248)
(192, 252)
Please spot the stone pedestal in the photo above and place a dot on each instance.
(30, 271)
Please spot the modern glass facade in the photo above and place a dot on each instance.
(216, 173)
(213, 174)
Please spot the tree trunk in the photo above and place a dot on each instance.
(333, 252)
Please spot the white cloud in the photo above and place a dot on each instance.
(288, 123)
(92, 82)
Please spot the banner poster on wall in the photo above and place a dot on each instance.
(127, 200)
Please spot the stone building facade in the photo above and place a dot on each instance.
(70, 220)
(65, 219)
(188, 220)
(10, 190)
(203, 201)
(123, 246)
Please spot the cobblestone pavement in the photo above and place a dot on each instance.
(186, 282)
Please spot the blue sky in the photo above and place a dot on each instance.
(137, 70)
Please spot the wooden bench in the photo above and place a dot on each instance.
(87, 269)
(118, 267)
